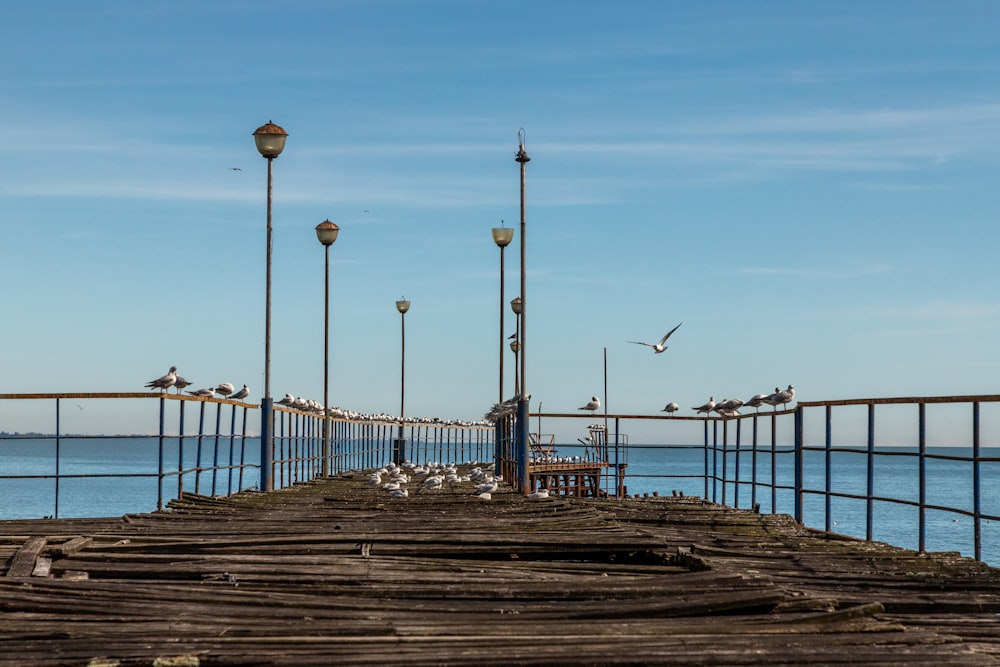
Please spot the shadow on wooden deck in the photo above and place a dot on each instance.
(336, 572)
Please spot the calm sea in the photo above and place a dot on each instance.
(111, 477)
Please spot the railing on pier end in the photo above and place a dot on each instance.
(217, 457)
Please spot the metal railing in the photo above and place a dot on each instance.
(789, 462)
(217, 456)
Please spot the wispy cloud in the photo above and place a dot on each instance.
(836, 273)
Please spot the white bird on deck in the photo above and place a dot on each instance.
(707, 407)
(165, 382)
(593, 405)
(225, 389)
(671, 408)
(241, 394)
(540, 493)
(657, 347)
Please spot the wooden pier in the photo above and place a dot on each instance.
(337, 572)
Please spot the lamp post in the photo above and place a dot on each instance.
(402, 306)
(515, 345)
(270, 141)
(502, 236)
(326, 233)
(522, 401)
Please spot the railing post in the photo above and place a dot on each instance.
(522, 427)
(180, 453)
(870, 494)
(55, 511)
(159, 477)
(706, 458)
(799, 477)
(922, 463)
(828, 468)
(266, 450)
(976, 495)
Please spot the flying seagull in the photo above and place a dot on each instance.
(593, 405)
(657, 347)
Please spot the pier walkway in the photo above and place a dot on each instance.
(337, 572)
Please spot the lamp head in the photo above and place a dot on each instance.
(326, 232)
(502, 236)
(270, 140)
(402, 306)
(516, 305)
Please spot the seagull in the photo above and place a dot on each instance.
(203, 392)
(164, 382)
(235, 169)
(671, 408)
(287, 400)
(780, 397)
(225, 389)
(540, 493)
(657, 347)
(241, 394)
(756, 401)
(707, 407)
(181, 383)
(593, 405)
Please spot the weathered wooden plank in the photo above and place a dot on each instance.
(23, 562)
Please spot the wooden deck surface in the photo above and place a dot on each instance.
(336, 572)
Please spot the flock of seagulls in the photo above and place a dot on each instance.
(172, 379)
(228, 390)
(397, 480)
(730, 407)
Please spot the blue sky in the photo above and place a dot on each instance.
(811, 188)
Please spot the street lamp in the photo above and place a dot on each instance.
(326, 233)
(270, 141)
(502, 236)
(402, 306)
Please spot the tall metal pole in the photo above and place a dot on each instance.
(503, 306)
(400, 449)
(402, 371)
(522, 401)
(266, 408)
(270, 141)
(326, 366)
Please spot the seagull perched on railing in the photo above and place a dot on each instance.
(225, 389)
(657, 347)
(671, 408)
(165, 382)
(780, 396)
(756, 401)
(181, 383)
(203, 392)
(707, 407)
(593, 405)
(241, 394)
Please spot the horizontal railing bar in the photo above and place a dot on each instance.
(172, 397)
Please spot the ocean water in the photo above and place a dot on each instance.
(110, 477)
